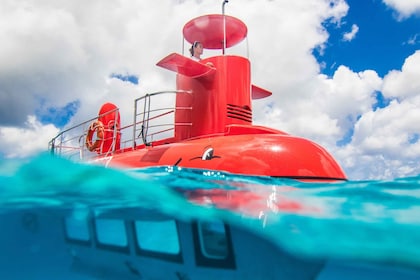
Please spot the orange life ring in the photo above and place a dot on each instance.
(99, 128)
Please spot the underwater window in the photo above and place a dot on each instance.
(213, 239)
(213, 245)
(158, 239)
(111, 234)
(77, 229)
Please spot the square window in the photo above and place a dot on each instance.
(213, 240)
(158, 236)
(111, 232)
(77, 228)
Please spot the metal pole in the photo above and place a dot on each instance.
(134, 123)
(224, 25)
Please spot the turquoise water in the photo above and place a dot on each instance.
(359, 220)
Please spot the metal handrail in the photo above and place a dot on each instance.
(65, 142)
(71, 141)
(145, 121)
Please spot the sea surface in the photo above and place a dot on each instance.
(375, 221)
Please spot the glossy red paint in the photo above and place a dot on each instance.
(217, 102)
(208, 30)
(110, 118)
(278, 155)
(213, 118)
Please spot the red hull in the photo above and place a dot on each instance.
(278, 155)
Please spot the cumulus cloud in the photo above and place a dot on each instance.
(387, 139)
(59, 54)
(21, 142)
(352, 34)
(404, 83)
(404, 8)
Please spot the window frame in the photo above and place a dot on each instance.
(166, 256)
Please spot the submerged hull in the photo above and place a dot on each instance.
(142, 244)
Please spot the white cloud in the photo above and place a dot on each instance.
(404, 83)
(352, 34)
(385, 142)
(405, 8)
(21, 142)
(413, 40)
(54, 52)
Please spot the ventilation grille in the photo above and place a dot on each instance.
(242, 113)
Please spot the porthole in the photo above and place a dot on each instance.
(213, 245)
(213, 241)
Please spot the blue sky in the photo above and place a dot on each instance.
(381, 43)
(371, 36)
(344, 73)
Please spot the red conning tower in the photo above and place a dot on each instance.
(220, 86)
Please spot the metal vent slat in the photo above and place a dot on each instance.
(242, 113)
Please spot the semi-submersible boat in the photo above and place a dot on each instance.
(211, 129)
(211, 123)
